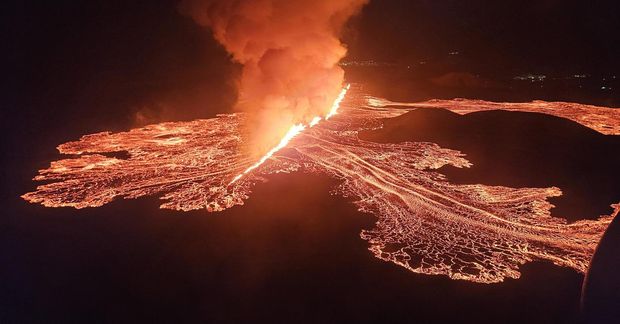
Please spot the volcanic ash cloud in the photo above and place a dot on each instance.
(289, 50)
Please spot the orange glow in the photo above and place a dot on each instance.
(289, 53)
(294, 131)
(337, 102)
(426, 224)
(315, 121)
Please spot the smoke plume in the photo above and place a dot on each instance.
(289, 50)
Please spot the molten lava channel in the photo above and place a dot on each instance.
(424, 223)
(294, 131)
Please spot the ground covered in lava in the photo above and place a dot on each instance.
(293, 250)
(427, 223)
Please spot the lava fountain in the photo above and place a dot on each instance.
(294, 131)
(426, 224)
(289, 53)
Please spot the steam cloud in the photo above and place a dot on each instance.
(289, 50)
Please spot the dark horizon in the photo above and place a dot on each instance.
(551, 36)
(151, 48)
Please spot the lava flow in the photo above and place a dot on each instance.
(294, 131)
(426, 224)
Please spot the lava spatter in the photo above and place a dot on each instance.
(424, 223)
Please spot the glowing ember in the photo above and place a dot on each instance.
(424, 223)
(294, 131)
(315, 121)
(336, 104)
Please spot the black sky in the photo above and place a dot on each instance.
(553, 35)
(549, 35)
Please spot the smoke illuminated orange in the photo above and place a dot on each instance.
(425, 224)
(289, 52)
(294, 131)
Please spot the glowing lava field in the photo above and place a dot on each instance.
(424, 223)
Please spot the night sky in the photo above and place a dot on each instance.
(152, 49)
(170, 66)
(550, 36)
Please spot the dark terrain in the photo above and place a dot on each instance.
(520, 149)
(293, 252)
